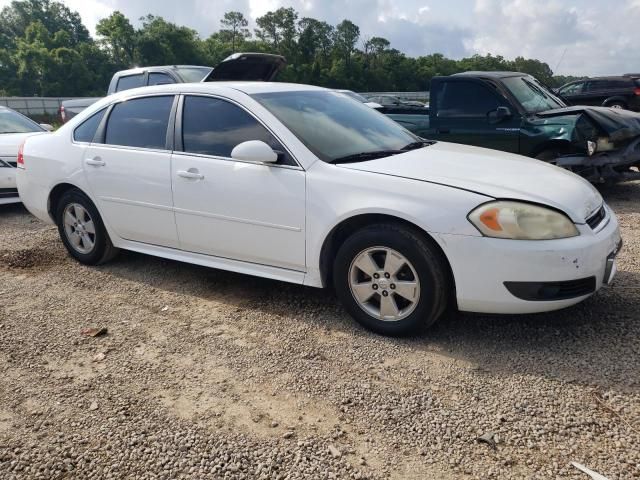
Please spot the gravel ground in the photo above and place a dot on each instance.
(209, 374)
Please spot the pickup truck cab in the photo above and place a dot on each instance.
(513, 112)
(239, 66)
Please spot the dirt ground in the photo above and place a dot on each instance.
(209, 374)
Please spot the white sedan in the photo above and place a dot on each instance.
(305, 185)
(14, 129)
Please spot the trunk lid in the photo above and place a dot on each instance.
(247, 67)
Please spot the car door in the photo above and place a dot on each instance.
(595, 93)
(464, 109)
(128, 168)
(239, 210)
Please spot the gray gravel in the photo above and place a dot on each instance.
(209, 374)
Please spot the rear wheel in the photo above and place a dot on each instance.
(81, 229)
(617, 105)
(391, 279)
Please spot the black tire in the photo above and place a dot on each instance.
(103, 250)
(427, 260)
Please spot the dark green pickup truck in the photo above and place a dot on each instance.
(513, 112)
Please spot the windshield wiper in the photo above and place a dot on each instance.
(418, 144)
(364, 156)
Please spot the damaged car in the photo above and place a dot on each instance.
(515, 113)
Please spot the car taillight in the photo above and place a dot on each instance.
(637, 91)
(63, 115)
(21, 156)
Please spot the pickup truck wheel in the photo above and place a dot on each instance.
(391, 279)
(81, 229)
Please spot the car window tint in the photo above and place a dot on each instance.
(87, 129)
(141, 122)
(466, 99)
(572, 89)
(157, 78)
(211, 126)
(130, 81)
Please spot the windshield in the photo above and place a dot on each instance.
(13, 122)
(193, 74)
(532, 95)
(334, 126)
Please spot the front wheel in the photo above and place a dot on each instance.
(391, 279)
(81, 229)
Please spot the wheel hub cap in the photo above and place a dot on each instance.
(384, 284)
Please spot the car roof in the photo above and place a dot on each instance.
(219, 87)
(491, 74)
(611, 77)
(157, 68)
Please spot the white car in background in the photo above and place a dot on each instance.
(14, 129)
(305, 185)
(360, 98)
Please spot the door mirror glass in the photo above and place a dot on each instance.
(254, 151)
(499, 114)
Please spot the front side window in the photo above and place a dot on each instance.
(129, 82)
(87, 129)
(140, 122)
(466, 99)
(211, 126)
(333, 126)
(158, 78)
(572, 89)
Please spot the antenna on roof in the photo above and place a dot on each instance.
(555, 72)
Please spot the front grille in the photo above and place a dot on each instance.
(597, 218)
(549, 291)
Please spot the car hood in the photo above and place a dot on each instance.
(618, 124)
(10, 142)
(494, 174)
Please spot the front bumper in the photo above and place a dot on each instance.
(8, 189)
(606, 167)
(482, 265)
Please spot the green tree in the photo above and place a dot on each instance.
(235, 28)
(345, 39)
(119, 38)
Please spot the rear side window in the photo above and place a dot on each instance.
(141, 122)
(466, 99)
(87, 129)
(156, 78)
(130, 81)
(211, 126)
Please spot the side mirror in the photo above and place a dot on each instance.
(47, 127)
(499, 114)
(254, 151)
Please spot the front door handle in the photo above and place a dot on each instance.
(95, 162)
(191, 174)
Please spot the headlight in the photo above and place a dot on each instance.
(592, 147)
(521, 221)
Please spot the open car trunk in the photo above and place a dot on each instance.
(247, 67)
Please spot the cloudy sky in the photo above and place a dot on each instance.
(583, 37)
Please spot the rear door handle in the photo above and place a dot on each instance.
(192, 174)
(95, 162)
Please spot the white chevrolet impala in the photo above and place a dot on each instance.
(306, 185)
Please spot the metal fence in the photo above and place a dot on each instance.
(419, 96)
(34, 105)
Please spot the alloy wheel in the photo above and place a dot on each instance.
(384, 284)
(79, 228)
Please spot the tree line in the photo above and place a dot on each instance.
(45, 50)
